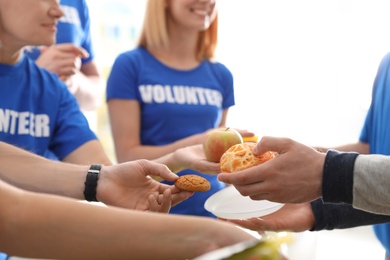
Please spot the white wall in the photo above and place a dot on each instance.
(303, 69)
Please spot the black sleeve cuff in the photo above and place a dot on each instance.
(337, 180)
(330, 216)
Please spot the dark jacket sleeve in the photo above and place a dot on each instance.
(340, 215)
(334, 210)
(337, 180)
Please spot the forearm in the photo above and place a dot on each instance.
(359, 147)
(88, 90)
(29, 171)
(360, 180)
(152, 152)
(337, 180)
(329, 216)
(88, 153)
(58, 228)
(345, 181)
(170, 161)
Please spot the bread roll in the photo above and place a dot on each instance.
(240, 157)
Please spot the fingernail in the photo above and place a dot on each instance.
(255, 149)
(86, 54)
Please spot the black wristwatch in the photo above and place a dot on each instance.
(91, 182)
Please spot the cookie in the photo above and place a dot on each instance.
(191, 182)
(240, 157)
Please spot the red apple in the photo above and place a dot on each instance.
(218, 141)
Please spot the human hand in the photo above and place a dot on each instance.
(193, 157)
(291, 217)
(62, 59)
(293, 176)
(129, 185)
(160, 204)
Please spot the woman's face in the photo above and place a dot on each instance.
(192, 14)
(28, 22)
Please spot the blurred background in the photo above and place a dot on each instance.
(303, 69)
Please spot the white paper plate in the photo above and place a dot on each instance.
(230, 204)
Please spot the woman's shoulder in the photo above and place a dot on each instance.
(137, 52)
(218, 65)
(136, 55)
(219, 68)
(46, 75)
(42, 79)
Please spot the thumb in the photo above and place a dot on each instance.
(268, 143)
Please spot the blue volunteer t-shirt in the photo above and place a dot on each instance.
(376, 130)
(73, 27)
(38, 113)
(20, 125)
(174, 104)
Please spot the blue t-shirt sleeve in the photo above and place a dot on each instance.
(225, 78)
(86, 24)
(71, 127)
(364, 133)
(121, 83)
(381, 81)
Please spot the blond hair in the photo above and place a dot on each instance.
(154, 32)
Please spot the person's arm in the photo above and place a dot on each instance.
(125, 124)
(191, 157)
(337, 177)
(35, 173)
(126, 185)
(371, 183)
(293, 176)
(47, 226)
(314, 174)
(83, 80)
(360, 180)
(88, 153)
(341, 215)
(87, 86)
(313, 216)
(358, 147)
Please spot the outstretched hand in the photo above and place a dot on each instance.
(293, 176)
(193, 157)
(129, 185)
(291, 217)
